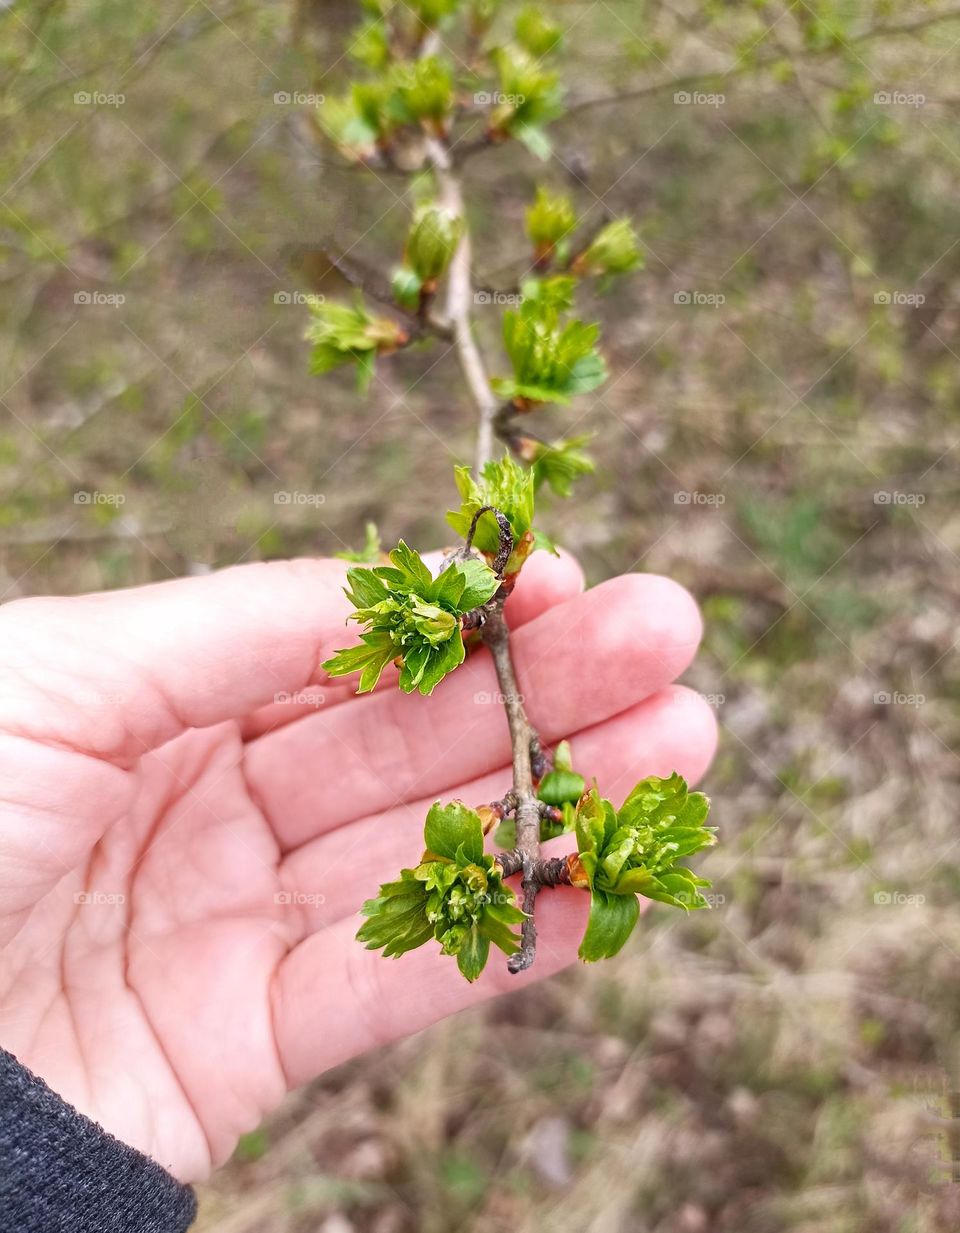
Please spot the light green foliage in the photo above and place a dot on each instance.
(370, 45)
(508, 487)
(411, 616)
(424, 91)
(552, 360)
(342, 334)
(456, 895)
(634, 851)
(418, 92)
(535, 32)
(432, 241)
(407, 286)
(561, 464)
(432, 12)
(530, 98)
(371, 550)
(614, 250)
(550, 219)
(554, 292)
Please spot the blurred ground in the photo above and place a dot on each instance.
(779, 435)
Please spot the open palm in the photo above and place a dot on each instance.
(182, 855)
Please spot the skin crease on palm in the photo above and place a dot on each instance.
(182, 857)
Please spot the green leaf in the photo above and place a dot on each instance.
(432, 241)
(535, 139)
(552, 360)
(406, 285)
(559, 787)
(472, 955)
(612, 920)
(614, 250)
(410, 569)
(451, 827)
(536, 33)
(369, 659)
(550, 220)
(561, 464)
(364, 589)
(505, 485)
(369, 553)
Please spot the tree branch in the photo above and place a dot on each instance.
(528, 756)
(459, 303)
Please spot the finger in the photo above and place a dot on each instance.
(333, 1000)
(546, 580)
(118, 673)
(582, 661)
(675, 730)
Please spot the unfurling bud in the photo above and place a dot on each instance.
(432, 241)
(613, 251)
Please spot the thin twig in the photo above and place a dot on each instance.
(459, 303)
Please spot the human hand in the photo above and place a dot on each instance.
(182, 858)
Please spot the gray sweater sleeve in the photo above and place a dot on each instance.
(61, 1173)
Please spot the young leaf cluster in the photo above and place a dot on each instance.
(411, 617)
(431, 242)
(553, 360)
(345, 334)
(507, 486)
(635, 850)
(456, 895)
